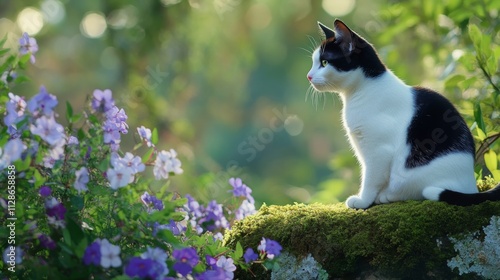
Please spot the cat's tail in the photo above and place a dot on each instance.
(461, 199)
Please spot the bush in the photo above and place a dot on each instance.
(76, 205)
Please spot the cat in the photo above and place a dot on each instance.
(411, 142)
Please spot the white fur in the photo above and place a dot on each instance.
(376, 115)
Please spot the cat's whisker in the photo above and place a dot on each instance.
(309, 52)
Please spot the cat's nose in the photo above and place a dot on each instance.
(309, 77)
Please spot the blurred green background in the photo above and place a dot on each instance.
(224, 81)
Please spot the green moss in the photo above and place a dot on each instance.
(398, 239)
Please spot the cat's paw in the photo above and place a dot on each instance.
(356, 202)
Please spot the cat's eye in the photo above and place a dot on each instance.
(324, 63)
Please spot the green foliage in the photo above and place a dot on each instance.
(459, 38)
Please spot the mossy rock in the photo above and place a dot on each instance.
(406, 240)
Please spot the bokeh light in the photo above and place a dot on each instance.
(93, 25)
(30, 20)
(338, 7)
(53, 11)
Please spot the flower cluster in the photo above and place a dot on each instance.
(76, 181)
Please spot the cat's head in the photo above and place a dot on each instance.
(343, 60)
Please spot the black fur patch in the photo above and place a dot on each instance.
(363, 56)
(436, 129)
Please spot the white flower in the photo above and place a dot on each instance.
(129, 160)
(227, 264)
(12, 151)
(145, 134)
(15, 255)
(119, 177)
(82, 178)
(110, 254)
(166, 163)
(57, 223)
(47, 128)
(262, 245)
(246, 209)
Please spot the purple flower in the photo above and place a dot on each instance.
(151, 202)
(211, 261)
(227, 264)
(241, 190)
(92, 254)
(160, 258)
(187, 258)
(15, 108)
(214, 274)
(47, 242)
(214, 217)
(144, 268)
(250, 255)
(111, 133)
(145, 135)
(57, 211)
(82, 178)
(102, 101)
(45, 191)
(47, 128)
(42, 103)
(271, 247)
(118, 117)
(28, 45)
(72, 140)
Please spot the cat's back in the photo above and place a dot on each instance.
(436, 129)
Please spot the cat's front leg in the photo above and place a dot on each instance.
(375, 177)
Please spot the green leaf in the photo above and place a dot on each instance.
(22, 165)
(454, 80)
(4, 39)
(491, 161)
(478, 116)
(238, 253)
(39, 179)
(491, 65)
(80, 248)
(147, 155)
(4, 51)
(475, 35)
(154, 136)
(77, 203)
(480, 134)
(23, 60)
(69, 111)
(67, 237)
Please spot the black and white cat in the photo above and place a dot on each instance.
(411, 143)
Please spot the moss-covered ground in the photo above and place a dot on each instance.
(407, 240)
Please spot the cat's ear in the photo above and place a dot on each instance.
(329, 33)
(344, 37)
